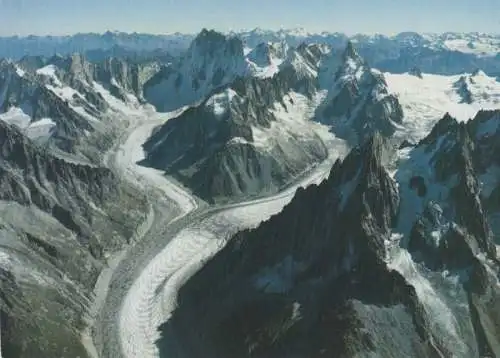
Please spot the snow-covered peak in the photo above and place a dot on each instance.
(307, 58)
(350, 52)
(265, 59)
(42, 128)
(49, 72)
(220, 102)
(213, 60)
(267, 53)
(478, 44)
(358, 102)
(74, 67)
(343, 66)
(213, 53)
(298, 32)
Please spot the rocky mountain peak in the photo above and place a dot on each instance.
(485, 125)
(266, 53)
(210, 42)
(358, 103)
(377, 190)
(313, 53)
(345, 236)
(334, 247)
(410, 38)
(443, 127)
(455, 160)
(351, 63)
(261, 55)
(350, 52)
(210, 35)
(306, 60)
(461, 86)
(212, 60)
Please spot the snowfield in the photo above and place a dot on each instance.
(17, 117)
(292, 121)
(426, 100)
(481, 46)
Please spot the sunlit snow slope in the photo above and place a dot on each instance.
(425, 100)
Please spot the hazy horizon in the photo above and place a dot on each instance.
(193, 33)
(62, 18)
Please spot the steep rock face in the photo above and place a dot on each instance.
(358, 102)
(70, 192)
(463, 90)
(307, 59)
(303, 282)
(59, 220)
(448, 229)
(470, 154)
(20, 90)
(365, 264)
(265, 54)
(211, 61)
(485, 130)
(46, 279)
(226, 146)
(265, 59)
(119, 76)
(445, 163)
(123, 78)
(127, 78)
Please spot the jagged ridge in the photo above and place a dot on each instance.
(334, 263)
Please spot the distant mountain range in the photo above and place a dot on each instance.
(401, 235)
(446, 53)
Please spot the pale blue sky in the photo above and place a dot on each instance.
(24, 17)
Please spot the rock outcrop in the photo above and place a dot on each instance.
(365, 264)
(245, 139)
(212, 60)
(358, 102)
(59, 221)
